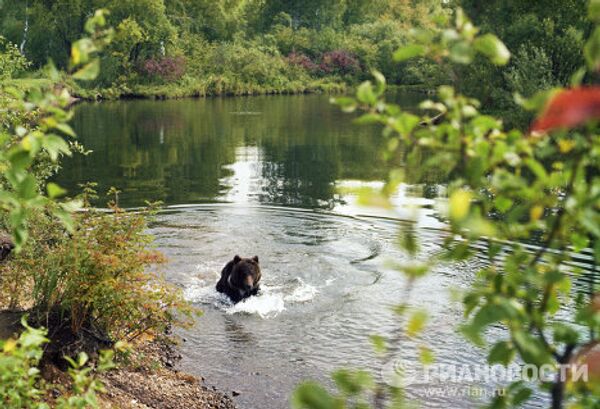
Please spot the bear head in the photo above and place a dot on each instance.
(245, 275)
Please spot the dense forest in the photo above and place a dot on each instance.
(489, 180)
(188, 47)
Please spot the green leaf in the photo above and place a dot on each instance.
(531, 348)
(55, 145)
(416, 323)
(379, 343)
(365, 93)
(494, 49)
(19, 159)
(591, 50)
(426, 356)
(54, 190)
(65, 218)
(66, 129)
(405, 123)
(379, 82)
(27, 188)
(564, 333)
(501, 353)
(537, 168)
(503, 204)
(521, 396)
(368, 119)
(311, 395)
(486, 315)
(98, 20)
(460, 202)
(462, 53)
(594, 10)
(89, 71)
(81, 50)
(352, 382)
(414, 269)
(577, 77)
(343, 101)
(579, 241)
(33, 338)
(51, 71)
(408, 52)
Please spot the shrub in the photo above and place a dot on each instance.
(11, 60)
(530, 71)
(303, 61)
(164, 68)
(21, 386)
(339, 62)
(84, 275)
(93, 281)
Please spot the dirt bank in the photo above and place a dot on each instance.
(150, 382)
(146, 381)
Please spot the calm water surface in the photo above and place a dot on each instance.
(267, 176)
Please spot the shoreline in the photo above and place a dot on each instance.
(153, 382)
(147, 378)
(201, 90)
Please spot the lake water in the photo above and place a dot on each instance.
(266, 176)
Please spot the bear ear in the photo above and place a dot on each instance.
(255, 258)
(236, 259)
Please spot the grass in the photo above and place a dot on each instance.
(207, 87)
(25, 84)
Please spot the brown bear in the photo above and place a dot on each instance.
(239, 278)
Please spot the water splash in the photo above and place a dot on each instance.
(303, 293)
(263, 305)
(270, 301)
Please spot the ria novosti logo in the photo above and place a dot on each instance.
(399, 373)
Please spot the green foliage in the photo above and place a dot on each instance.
(78, 273)
(19, 373)
(507, 189)
(248, 32)
(551, 30)
(11, 60)
(21, 386)
(96, 277)
(530, 72)
(32, 126)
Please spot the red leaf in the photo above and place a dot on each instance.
(569, 109)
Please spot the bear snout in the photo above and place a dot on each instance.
(249, 283)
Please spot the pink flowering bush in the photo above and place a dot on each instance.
(339, 62)
(303, 61)
(164, 68)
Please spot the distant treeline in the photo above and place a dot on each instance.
(253, 46)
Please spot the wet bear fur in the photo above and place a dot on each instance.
(240, 278)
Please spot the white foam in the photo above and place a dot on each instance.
(269, 302)
(263, 305)
(203, 294)
(303, 293)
